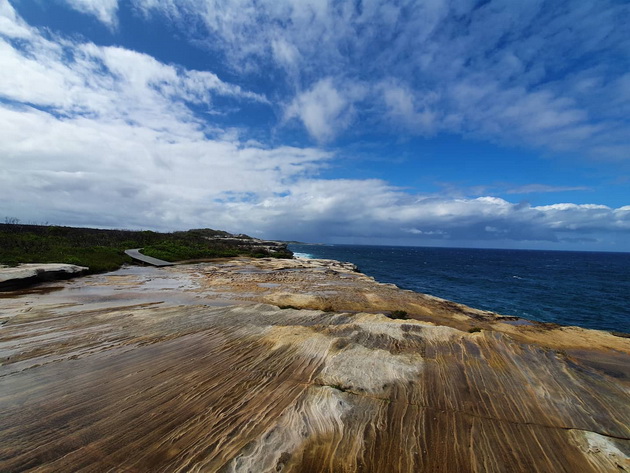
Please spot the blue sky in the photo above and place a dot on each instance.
(445, 122)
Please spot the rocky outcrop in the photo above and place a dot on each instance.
(293, 365)
(253, 245)
(26, 274)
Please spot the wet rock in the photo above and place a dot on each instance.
(26, 274)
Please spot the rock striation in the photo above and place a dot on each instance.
(272, 365)
(25, 274)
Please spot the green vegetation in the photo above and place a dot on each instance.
(177, 251)
(103, 250)
(398, 314)
(339, 387)
(474, 330)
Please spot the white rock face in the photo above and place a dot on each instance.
(38, 271)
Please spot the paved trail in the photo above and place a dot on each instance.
(135, 254)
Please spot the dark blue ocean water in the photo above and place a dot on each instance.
(569, 288)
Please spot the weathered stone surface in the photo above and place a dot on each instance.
(191, 368)
(35, 272)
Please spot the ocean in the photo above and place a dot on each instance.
(586, 289)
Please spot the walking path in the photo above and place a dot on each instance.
(135, 254)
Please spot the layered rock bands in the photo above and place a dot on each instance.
(297, 366)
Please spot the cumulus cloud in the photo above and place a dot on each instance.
(81, 170)
(339, 210)
(111, 135)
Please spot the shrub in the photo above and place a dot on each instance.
(398, 314)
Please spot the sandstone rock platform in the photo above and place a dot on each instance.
(261, 365)
(30, 273)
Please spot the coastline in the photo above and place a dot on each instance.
(297, 364)
(572, 289)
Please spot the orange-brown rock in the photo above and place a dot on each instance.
(198, 368)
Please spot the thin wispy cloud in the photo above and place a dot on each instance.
(326, 110)
(104, 10)
(532, 73)
(543, 188)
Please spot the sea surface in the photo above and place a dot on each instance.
(569, 288)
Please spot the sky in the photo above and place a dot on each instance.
(462, 123)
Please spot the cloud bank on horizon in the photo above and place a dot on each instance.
(263, 131)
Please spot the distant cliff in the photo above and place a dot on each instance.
(252, 245)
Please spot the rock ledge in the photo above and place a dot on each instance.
(25, 274)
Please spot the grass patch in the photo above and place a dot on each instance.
(474, 330)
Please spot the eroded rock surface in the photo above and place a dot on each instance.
(24, 274)
(197, 368)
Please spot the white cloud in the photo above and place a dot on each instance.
(104, 172)
(544, 188)
(104, 10)
(527, 73)
(406, 108)
(85, 171)
(109, 136)
(285, 53)
(340, 209)
(11, 24)
(325, 110)
(110, 83)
